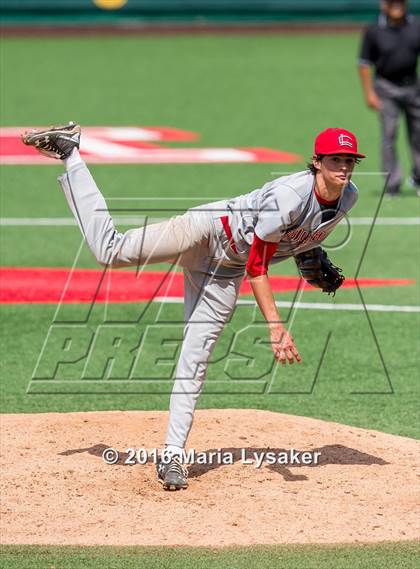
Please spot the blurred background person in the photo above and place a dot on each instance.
(391, 47)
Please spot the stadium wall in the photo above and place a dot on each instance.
(144, 12)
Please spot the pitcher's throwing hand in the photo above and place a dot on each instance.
(283, 346)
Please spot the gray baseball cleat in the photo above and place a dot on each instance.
(57, 142)
(173, 475)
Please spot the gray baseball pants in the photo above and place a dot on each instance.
(397, 100)
(211, 278)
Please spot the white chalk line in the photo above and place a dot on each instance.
(139, 220)
(312, 305)
(69, 221)
(385, 221)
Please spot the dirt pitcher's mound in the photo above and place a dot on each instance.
(57, 489)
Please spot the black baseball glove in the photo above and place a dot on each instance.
(316, 268)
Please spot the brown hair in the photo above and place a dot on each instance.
(310, 165)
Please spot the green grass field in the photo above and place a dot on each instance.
(242, 91)
(397, 556)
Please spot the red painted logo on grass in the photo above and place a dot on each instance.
(45, 285)
(138, 145)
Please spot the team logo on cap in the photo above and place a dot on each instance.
(345, 140)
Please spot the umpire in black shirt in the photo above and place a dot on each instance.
(392, 46)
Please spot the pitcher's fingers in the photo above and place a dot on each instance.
(282, 357)
(289, 355)
(296, 354)
(276, 353)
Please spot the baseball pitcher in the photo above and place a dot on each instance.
(217, 244)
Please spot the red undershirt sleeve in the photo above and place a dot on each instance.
(260, 255)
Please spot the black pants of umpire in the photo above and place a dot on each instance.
(399, 100)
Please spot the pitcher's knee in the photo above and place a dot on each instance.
(102, 261)
(108, 251)
(110, 259)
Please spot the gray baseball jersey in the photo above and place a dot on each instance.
(285, 211)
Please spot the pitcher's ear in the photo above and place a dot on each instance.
(316, 162)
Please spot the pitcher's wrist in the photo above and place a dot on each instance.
(276, 325)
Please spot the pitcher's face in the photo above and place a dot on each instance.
(336, 169)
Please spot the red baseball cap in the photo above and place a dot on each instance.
(336, 141)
